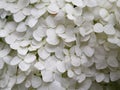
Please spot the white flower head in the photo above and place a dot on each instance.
(59, 44)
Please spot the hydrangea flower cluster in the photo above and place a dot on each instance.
(59, 44)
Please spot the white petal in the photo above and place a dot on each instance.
(56, 86)
(107, 78)
(118, 3)
(50, 22)
(39, 65)
(71, 17)
(10, 0)
(59, 53)
(15, 60)
(24, 43)
(19, 16)
(82, 31)
(47, 76)
(24, 66)
(38, 13)
(43, 87)
(75, 61)
(101, 65)
(20, 78)
(50, 63)
(70, 73)
(103, 12)
(37, 35)
(7, 59)
(22, 51)
(11, 70)
(31, 21)
(27, 83)
(60, 29)
(36, 81)
(112, 0)
(113, 40)
(50, 48)
(114, 76)
(10, 27)
(61, 66)
(12, 81)
(29, 58)
(26, 11)
(69, 36)
(100, 77)
(112, 61)
(78, 51)
(22, 4)
(61, 3)
(69, 9)
(109, 29)
(43, 53)
(10, 39)
(41, 5)
(86, 84)
(91, 3)
(86, 38)
(3, 33)
(42, 31)
(33, 1)
(84, 59)
(81, 78)
(53, 8)
(21, 27)
(78, 12)
(13, 8)
(15, 45)
(98, 28)
(78, 3)
(88, 51)
(5, 51)
(77, 71)
(51, 37)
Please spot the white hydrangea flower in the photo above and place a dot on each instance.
(59, 44)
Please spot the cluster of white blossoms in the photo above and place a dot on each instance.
(59, 44)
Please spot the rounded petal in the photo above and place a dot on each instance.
(29, 58)
(109, 29)
(20, 78)
(75, 61)
(21, 27)
(19, 16)
(53, 8)
(43, 53)
(47, 76)
(39, 66)
(61, 66)
(78, 3)
(36, 81)
(24, 66)
(88, 51)
(98, 28)
(16, 60)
